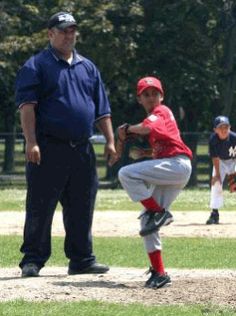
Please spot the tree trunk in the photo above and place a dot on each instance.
(229, 71)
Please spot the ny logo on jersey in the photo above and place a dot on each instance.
(232, 151)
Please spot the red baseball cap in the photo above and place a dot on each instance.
(147, 82)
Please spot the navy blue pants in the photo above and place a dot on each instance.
(67, 175)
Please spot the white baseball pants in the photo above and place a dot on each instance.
(216, 198)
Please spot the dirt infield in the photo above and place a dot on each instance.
(125, 285)
(125, 223)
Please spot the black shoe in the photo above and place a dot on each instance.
(213, 219)
(155, 220)
(30, 270)
(96, 268)
(157, 280)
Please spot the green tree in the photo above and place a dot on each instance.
(21, 24)
(189, 44)
(229, 55)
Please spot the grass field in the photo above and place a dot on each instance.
(181, 253)
(189, 199)
(21, 308)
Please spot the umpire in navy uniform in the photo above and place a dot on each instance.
(61, 96)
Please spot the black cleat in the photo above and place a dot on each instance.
(155, 220)
(157, 280)
(213, 219)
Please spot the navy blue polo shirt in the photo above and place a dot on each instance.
(223, 149)
(69, 97)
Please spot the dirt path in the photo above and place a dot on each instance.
(124, 223)
(125, 285)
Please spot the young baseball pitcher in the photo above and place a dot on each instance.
(155, 183)
(222, 150)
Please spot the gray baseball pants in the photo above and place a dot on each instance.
(163, 179)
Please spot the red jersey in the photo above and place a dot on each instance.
(164, 137)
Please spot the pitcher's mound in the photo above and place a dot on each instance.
(121, 285)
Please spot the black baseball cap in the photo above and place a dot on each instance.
(221, 120)
(61, 20)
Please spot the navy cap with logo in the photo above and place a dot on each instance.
(61, 20)
(221, 120)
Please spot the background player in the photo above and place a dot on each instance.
(156, 182)
(222, 149)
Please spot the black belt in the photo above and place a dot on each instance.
(73, 143)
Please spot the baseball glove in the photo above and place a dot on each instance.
(232, 182)
(122, 137)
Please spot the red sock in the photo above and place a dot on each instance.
(151, 205)
(156, 261)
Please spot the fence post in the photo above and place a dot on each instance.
(9, 153)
